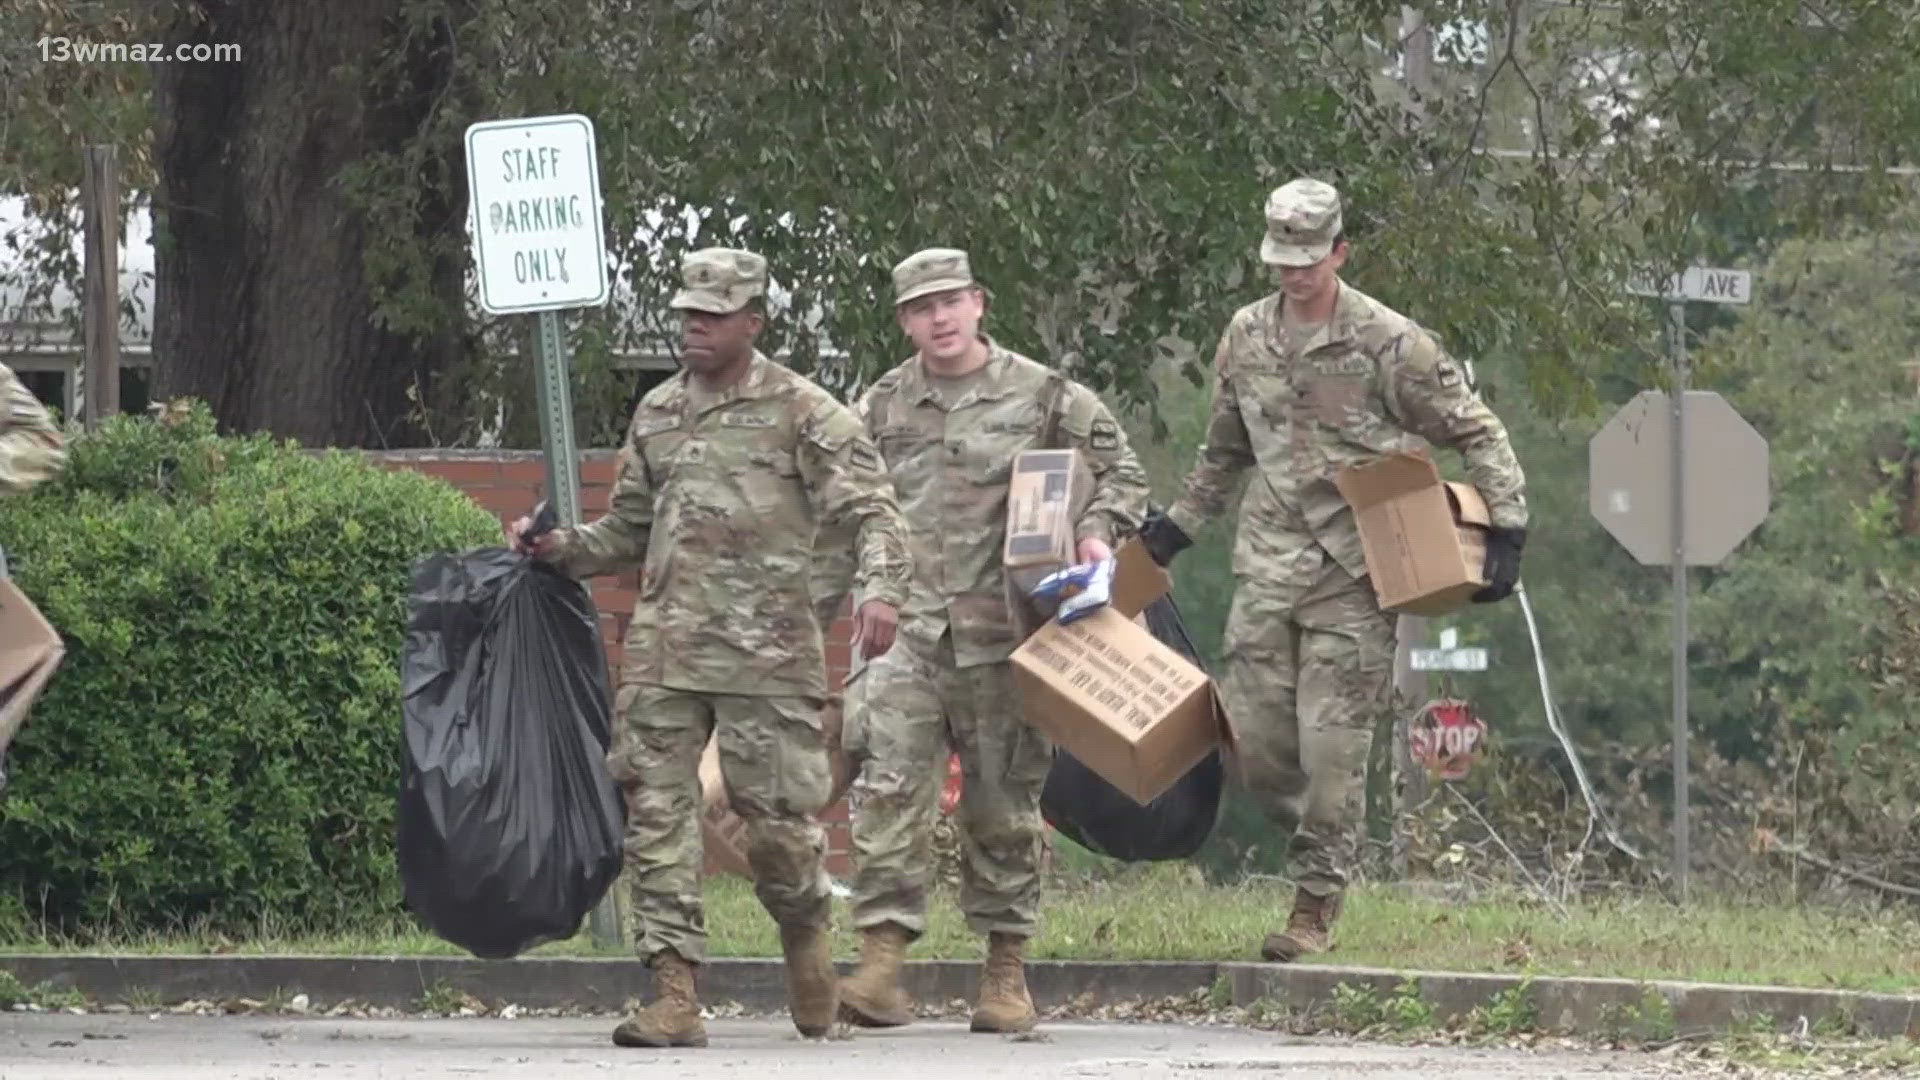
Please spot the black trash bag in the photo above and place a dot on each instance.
(509, 826)
(1101, 818)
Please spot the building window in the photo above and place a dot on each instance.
(52, 386)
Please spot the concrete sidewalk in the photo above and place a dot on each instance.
(1582, 1005)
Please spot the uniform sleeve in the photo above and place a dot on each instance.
(851, 490)
(1429, 395)
(1226, 453)
(862, 409)
(32, 449)
(618, 540)
(1120, 486)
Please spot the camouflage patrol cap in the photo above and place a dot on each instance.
(720, 281)
(931, 271)
(1303, 217)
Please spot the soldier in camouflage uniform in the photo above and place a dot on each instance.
(1308, 380)
(730, 471)
(32, 451)
(949, 422)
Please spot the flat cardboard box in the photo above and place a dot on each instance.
(30, 650)
(1130, 708)
(722, 830)
(1425, 538)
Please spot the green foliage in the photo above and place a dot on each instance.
(1510, 1012)
(1650, 1018)
(219, 742)
(1105, 163)
(1358, 1008)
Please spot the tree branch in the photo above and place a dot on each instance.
(1770, 842)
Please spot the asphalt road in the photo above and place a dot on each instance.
(94, 1047)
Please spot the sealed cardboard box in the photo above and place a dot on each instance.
(1425, 538)
(30, 650)
(1046, 493)
(1130, 708)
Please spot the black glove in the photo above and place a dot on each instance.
(1503, 564)
(1162, 538)
(545, 519)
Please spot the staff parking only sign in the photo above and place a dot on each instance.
(538, 244)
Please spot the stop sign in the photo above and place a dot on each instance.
(1724, 483)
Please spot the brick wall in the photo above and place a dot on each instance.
(508, 483)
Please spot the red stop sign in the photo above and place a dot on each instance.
(1446, 737)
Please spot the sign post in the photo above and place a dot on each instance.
(539, 247)
(1695, 431)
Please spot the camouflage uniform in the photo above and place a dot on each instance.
(720, 500)
(1308, 665)
(947, 681)
(32, 451)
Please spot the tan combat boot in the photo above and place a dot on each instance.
(811, 997)
(1004, 1003)
(1309, 929)
(872, 996)
(674, 1017)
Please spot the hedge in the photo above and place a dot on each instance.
(220, 744)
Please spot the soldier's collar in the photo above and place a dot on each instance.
(755, 384)
(990, 385)
(1348, 307)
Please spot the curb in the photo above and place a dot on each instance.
(1651, 1008)
(557, 982)
(1575, 1004)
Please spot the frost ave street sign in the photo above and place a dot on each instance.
(1449, 657)
(1698, 283)
(1630, 486)
(534, 185)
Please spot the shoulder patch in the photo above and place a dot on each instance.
(1104, 435)
(648, 424)
(830, 425)
(864, 456)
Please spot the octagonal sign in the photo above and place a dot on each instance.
(1725, 483)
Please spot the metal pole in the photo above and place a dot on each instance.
(556, 419)
(1681, 815)
(1411, 692)
(563, 490)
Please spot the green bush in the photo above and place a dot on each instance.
(221, 742)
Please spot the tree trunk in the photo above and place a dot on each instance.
(264, 306)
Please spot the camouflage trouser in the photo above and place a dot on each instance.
(912, 704)
(773, 757)
(1307, 675)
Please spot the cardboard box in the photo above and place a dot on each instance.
(722, 831)
(1130, 708)
(30, 650)
(1046, 493)
(1425, 538)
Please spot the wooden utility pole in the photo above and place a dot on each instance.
(100, 210)
(1410, 686)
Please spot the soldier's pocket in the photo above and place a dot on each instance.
(622, 767)
(781, 761)
(1339, 401)
(1032, 754)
